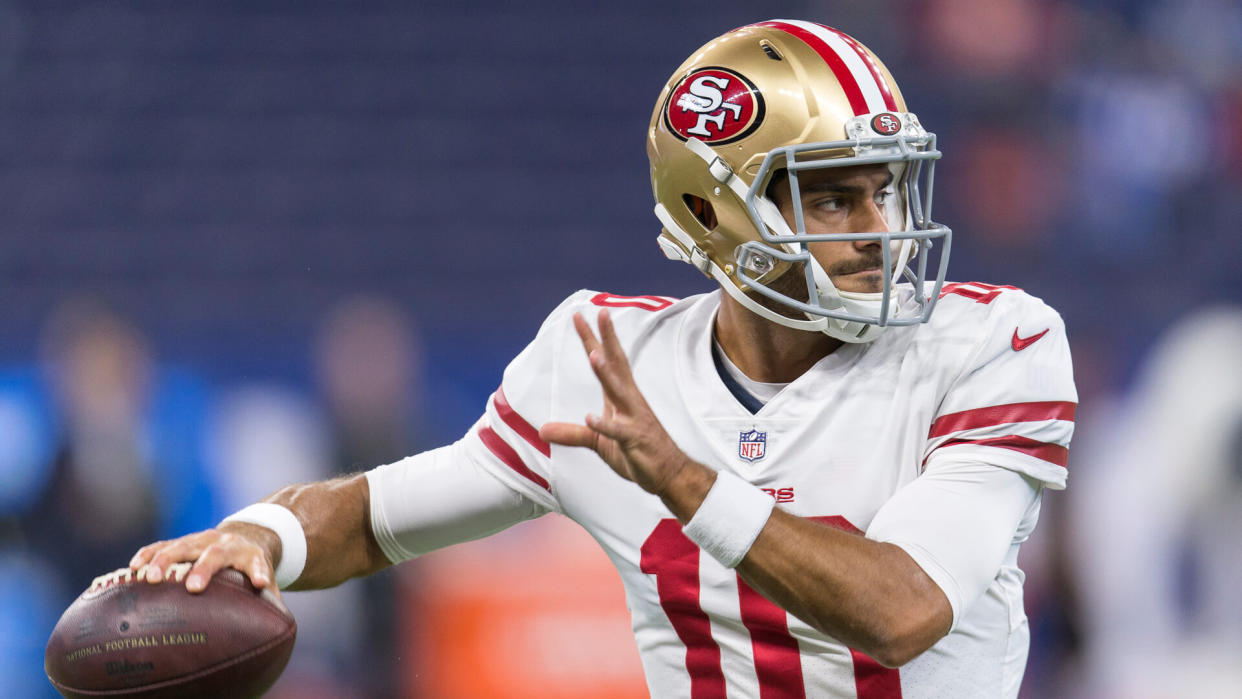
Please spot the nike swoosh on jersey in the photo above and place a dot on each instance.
(1021, 343)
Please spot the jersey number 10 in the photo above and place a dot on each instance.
(674, 560)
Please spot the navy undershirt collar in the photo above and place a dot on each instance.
(748, 401)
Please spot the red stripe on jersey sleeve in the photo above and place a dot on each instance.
(969, 290)
(505, 453)
(1052, 453)
(519, 424)
(1002, 414)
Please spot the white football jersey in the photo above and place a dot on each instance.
(987, 380)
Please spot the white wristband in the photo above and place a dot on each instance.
(730, 519)
(292, 539)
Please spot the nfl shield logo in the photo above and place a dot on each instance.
(752, 445)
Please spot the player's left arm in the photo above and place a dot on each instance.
(868, 594)
(928, 553)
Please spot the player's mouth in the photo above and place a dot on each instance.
(861, 277)
(868, 264)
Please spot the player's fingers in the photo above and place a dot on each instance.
(568, 434)
(145, 554)
(612, 367)
(609, 378)
(611, 343)
(261, 573)
(620, 392)
(212, 559)
(589, 341)
(187, 548)
(610, 426)
(226, 553)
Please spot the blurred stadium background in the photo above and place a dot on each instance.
(244, 243)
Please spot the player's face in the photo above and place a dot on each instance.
(860, 199)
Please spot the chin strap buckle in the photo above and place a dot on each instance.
(700, 260)
(678, 250)
(718, 168)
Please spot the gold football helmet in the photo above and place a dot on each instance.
(778, 98)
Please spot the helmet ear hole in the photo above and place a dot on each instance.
(702, 210)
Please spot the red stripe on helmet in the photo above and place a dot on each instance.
(871, 66)
(842, 72)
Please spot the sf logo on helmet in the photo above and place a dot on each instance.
(885, 124)
(714, 105)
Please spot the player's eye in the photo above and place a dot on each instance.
(830, 204)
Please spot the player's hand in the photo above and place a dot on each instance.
(245, 547)
(628, 437)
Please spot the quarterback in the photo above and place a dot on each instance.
(810, 483)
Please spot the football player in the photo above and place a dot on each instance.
(908, 450)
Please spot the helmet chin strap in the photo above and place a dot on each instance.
(696, 257)
(866, 304)
(855, 302)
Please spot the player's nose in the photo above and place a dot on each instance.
(871, 219)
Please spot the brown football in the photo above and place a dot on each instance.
(125, 637)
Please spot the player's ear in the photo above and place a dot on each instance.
(702, 210)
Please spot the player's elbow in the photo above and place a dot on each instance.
(897, 652)
(907, 631)
(905, 625)
(910, 613)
